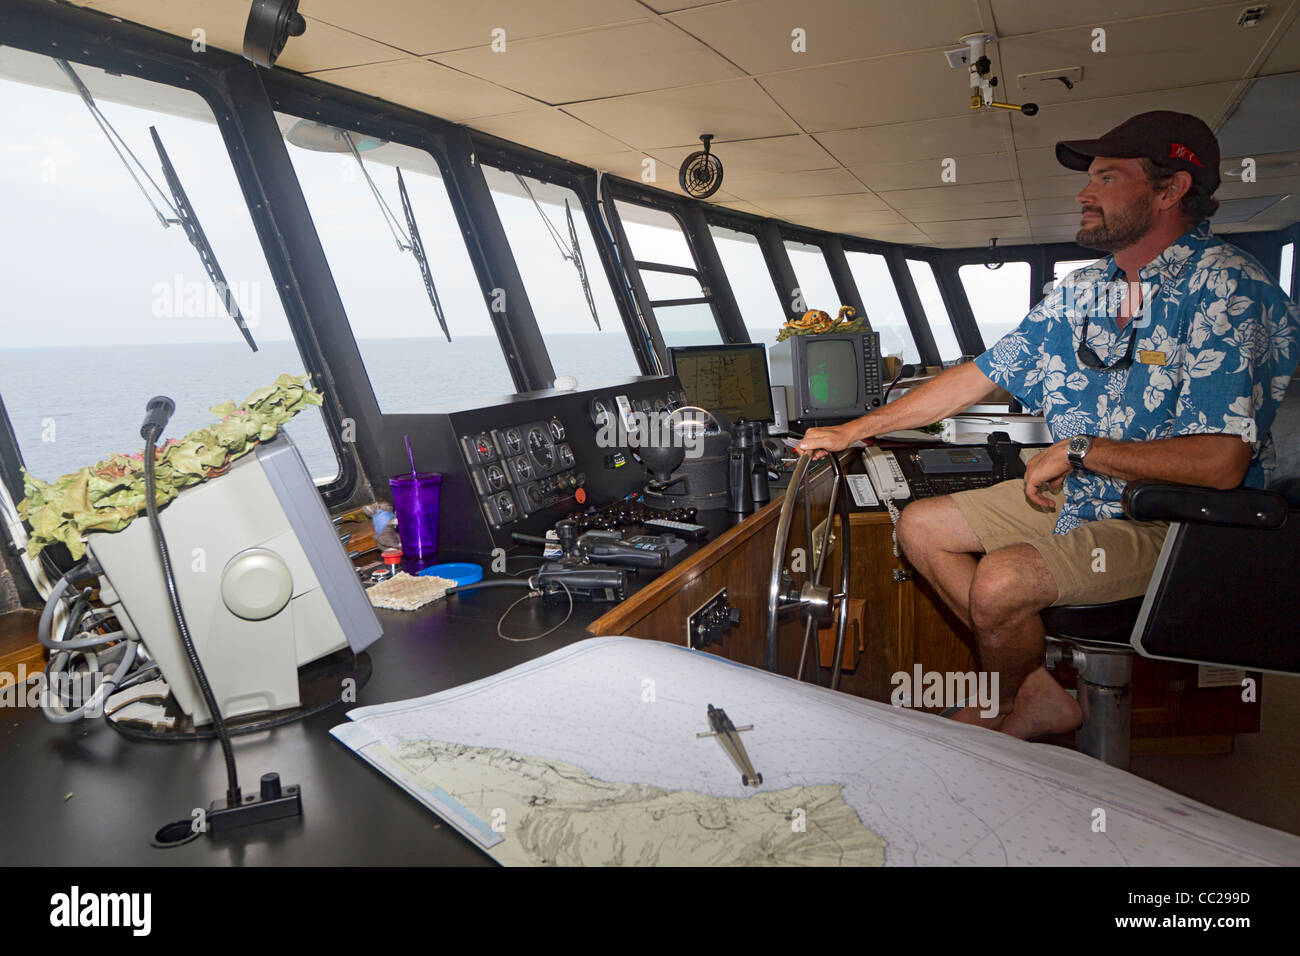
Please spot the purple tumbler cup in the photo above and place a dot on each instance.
(415, 502)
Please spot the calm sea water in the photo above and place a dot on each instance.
(72, 406)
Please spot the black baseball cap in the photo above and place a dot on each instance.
(1176, 140)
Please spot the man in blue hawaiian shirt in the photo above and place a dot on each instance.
(1165, 360)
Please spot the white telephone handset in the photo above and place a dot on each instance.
(885, 473)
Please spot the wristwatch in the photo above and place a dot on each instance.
(1079, 447)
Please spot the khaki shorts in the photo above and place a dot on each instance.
(1002, 516)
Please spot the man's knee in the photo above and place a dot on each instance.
(1008, 584)
(934, 524)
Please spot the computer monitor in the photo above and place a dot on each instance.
(728, 379)
(828, 376)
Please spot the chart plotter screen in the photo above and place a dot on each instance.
(731, 379)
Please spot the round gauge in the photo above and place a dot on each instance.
(483, 446)
(644, 406)
(514, 443)
(599, 413)
(566, 456)
(523, 469)
(660, 404)
(557, 429)
(496, 477)
(540, 447)
(506, 505)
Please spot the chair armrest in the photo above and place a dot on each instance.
(1240, 508)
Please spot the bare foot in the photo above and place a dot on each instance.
(975, 716)
(1042, 707)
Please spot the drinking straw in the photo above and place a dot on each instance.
(410, 455)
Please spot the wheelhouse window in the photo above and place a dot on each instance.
(751, 283)
(816, 287)
(999, 298)
(936, 313)
(104, 305)
(682, 306)
(1064, 267)
(884, 308)
(560, 264)
(351, 183)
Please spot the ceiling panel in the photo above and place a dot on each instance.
(551, 131)
(322, 47)
(979, 231)
(1285, 57)
(1041, 162)
(736, 109)
(761, 187)
(431, 88)
(1029, 16)
(951, 195)
(433, 26)
(1053, 207)
(903, 233)
(1235, 189)
(979, 168)
(849, 205)
(1154, 54)
(758, 35)
(1052, 187)
(925, 215)
(892, 89)
(929, 139)
(628, 163)
(597, 63)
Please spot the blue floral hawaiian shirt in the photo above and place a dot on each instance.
(1215, 348)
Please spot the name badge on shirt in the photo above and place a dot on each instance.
(1152, 357)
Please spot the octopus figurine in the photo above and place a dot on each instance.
(817, 322)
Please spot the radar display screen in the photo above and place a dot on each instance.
(731, 379)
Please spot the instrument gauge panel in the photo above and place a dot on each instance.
(539, 446)
(523, 469)
(599, 412)
(514, 442)
(496, 477)
(556, 428)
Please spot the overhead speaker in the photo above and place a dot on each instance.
(270, 24)
(700, 174)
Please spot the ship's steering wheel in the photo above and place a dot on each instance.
(814, 602)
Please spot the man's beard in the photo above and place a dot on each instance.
(1121, 230)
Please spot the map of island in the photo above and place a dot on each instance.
(556, 813)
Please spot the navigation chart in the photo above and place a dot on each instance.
(590, 756)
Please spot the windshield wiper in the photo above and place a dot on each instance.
(572, 253)
(182, 213)
(417, 250)
(578, 263)
(194, 232)
(405, 243)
